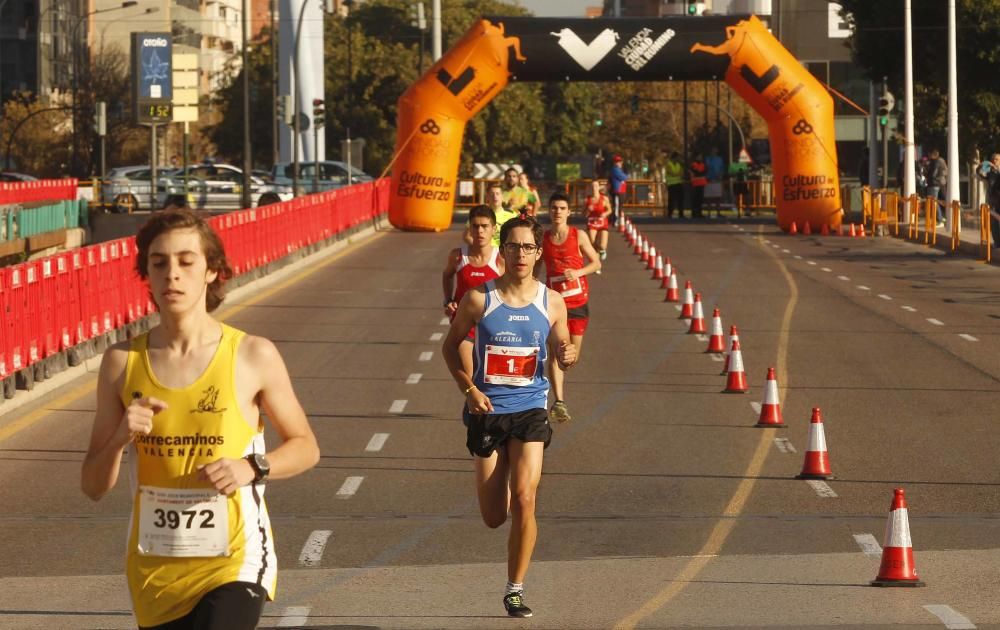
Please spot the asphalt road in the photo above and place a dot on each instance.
(660, 506)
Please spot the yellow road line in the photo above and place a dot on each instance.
(722, 529)
(87, 388)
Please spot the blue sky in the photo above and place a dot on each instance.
(558, 8)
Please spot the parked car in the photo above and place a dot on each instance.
(217, 187)
(332, 174)
(126, 188)
(9, 176)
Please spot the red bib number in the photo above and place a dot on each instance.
(507, 365)
(565, 287)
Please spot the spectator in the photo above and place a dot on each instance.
(675, 185)
(990, 173)
(696, 175)
(617, 185)
(937, 181)
(715, 170)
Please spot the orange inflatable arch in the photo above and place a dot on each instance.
(433, 112)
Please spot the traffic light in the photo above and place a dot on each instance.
(101, 118)
(319, 114)
(885, 105)
(283, 109)
(692, 7)
(635, 104)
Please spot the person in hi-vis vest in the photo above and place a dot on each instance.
(186, 401)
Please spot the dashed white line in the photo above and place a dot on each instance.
(811, 262)
(967, 337)
(775, 246)
(844, 278)
(949, 617)
(294, 616)
(797, 257)
(936, 322)
(718, 358)
(826, 269)
(376, 443)
(785, 251)
(869, 545)
(702, 337)
(437, 336)
(397, 406)
(884, 296)
(823, 490)
(312, 550)
(677, 306)
(863, 287)
(756, 407)
(414, 378)
(909, 308)
(765, 240)
(444, 321)
(784, 445)
(426, 356)
(349, 487)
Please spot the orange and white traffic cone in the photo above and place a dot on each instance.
(733, 336)
(622, 225)
(897, 567)
(861, 231)
(644, 254)
(697, 318)
(667, 270)
(687, 305)
(658, 268)
(651, 261)
(852, 232)
(825, 230)
(770, 409)
(715, 343)
(736, 377)
(794, 229)
(817, 461)
(673, 295)
(637, 248)
(807, 228)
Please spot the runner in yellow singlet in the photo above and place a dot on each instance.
(184, 401)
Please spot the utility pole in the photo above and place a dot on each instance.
(274, 83)
(246, 199)
(436, 29)
(885, 137)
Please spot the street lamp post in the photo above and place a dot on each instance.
(296, 101)
(246, 199)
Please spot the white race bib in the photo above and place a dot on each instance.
(566, 288)
(183, 523)
(506, 365)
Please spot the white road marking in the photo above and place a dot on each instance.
(444, 321)
(936, 322)
(784, 445)
(844, 278)
(785, 251)
(677, 306)
(376, 443)
(949, 617)
(823, 490)
(718, 358)
(756, 407)
(397, 406)
(437, 336)
(863, 287)
(350, 486)
(797, 257)
(702, 337)
(967, 337)
(869, 545)
(775, 246)
(811, 262)
(414, 378)
(426, 356)
(826, 269)
(884, 296)
(312, 551)
(765, 240)
(909, 308)
(294, 616)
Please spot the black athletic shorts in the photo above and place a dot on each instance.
(233, 606)
(489, 431)
(579, 312)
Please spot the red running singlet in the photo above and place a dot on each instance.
(469, 276)
(559, 258)
(595, 211)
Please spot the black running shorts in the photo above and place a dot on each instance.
(233, 606)
(489, 431)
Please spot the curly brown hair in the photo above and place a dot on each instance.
(215, 253)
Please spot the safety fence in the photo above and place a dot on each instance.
(61, 309)
(39, 190)
(18, 221)
(888, 211)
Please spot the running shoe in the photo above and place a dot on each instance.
(559, 412)
(604, 254)
(514, 603)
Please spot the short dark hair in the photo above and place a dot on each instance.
(494, 185)
(558, 196)
(483, 211)
(536, 228)
(509, 169)
(211, 244)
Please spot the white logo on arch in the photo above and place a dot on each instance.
(587, 55)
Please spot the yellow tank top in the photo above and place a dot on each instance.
(184, 538)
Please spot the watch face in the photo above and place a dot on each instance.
(262, 465)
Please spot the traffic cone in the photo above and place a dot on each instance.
(770, 409)
(697, 318)
(807, 228)
(644, 252)
(622, 225)
(794, 229)
(840, 230)
(733, 336)
(651, 260)
(658, 268)
(861, 231)
(897, 549)
(687, 305)
(637, 249)
(672, 294)
(825, 230)
(715, 342)
(736, 378)
(668, 269)
(817, 462)
(852, 232)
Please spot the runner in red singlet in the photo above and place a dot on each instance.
(598, 211)
(470, 266)
(564, 249)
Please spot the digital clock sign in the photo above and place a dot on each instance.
(152, 77)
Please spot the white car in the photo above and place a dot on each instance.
(332, 174)
(216, 187)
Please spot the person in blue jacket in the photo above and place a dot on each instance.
(616, 188)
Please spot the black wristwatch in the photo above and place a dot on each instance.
(261, 467)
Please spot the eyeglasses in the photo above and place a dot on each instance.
(527, 248)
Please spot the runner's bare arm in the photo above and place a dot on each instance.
(589, 254)
(560, 345)
(260, 361)
(470, 309)
(114, 425)
(448, 280)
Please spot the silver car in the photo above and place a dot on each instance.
(126, 189)
(332, 174)
(217, 187)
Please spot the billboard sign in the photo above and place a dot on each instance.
(152, 85)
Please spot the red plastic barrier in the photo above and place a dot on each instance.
(5, 367)
(41, 190)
